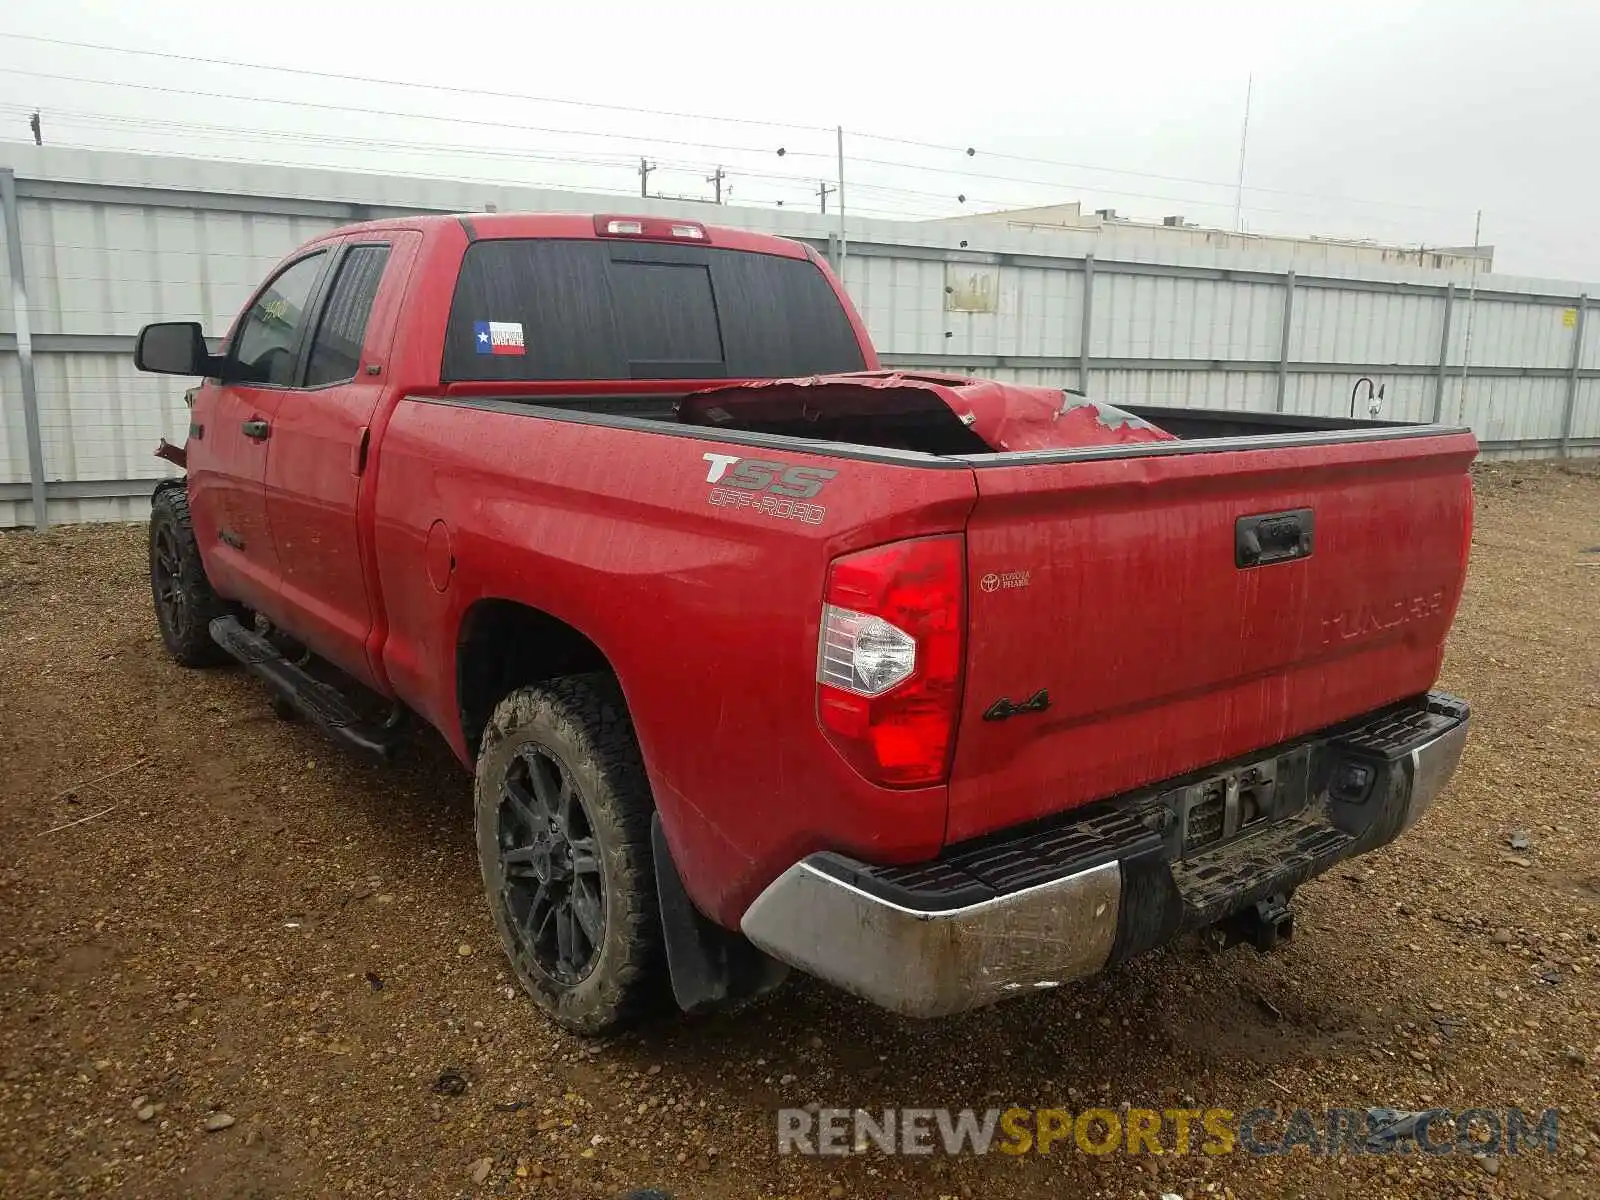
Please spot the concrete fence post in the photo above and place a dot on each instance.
(19, 319)
(1283, 341)
(1444, 354)
(1570, 407)
(1087, 325)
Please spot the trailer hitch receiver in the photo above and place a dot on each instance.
(1265, 924)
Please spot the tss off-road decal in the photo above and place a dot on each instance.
(770, 488)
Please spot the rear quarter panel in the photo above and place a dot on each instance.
(707, 610)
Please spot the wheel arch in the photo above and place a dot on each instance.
(505, 644)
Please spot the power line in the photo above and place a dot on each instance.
(801, 185)
(77, 116)
(503, 125)
(904, 210)
(973, 152)
(388, 112)
(628, 162)
(449, 89)
(967, 151)
(1062, 186)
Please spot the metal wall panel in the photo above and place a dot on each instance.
(110, 268)
(101, 419)
(1040, 312)
(1052, 377)
(19, 513)
(1147, 316)
(1586, 411)
(902, 302)
(905, 303)
(1337, 326)
(13, 432)
(1510, 335)
(1591, 337)
(1510, 409)
(6, 319)
(1238, 390)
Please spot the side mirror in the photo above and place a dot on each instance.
(174, 348)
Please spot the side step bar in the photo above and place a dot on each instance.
(319, 703)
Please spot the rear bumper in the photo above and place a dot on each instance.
(1032, 908)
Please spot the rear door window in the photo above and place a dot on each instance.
(336, 349)
(540, 309)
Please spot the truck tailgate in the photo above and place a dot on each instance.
(1167, 634)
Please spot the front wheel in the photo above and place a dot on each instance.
(563, 828)
(184, 602)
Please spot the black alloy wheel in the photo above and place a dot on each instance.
(166, 579)
(564, 845)
(553, 886)
(182, 596)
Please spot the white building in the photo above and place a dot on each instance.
(1120, 236)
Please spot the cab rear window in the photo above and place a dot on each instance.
(544, 308)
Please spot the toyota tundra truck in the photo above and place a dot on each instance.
(764, 657)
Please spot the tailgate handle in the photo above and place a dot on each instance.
(1272, 537)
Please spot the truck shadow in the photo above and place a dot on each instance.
(1217, 1028)
(1183, 1007)
(1150, 1030)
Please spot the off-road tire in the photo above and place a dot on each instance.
(582, 721)
(184, 616)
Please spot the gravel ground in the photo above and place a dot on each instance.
(246, 968)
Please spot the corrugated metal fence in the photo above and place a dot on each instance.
(100, 243)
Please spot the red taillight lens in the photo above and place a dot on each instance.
(889, 659)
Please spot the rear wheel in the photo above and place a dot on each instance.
(184, 602)
(563, 828)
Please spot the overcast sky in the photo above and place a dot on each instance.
(1368, 118)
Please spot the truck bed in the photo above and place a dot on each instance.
(945, 417)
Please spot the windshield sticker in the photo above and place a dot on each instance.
(498, 337)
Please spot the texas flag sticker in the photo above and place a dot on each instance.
(498, 337)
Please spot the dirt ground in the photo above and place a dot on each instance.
(205, 911)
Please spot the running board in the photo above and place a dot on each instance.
(322, 705)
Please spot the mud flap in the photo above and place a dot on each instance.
(710, 966)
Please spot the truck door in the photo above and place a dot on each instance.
(232, 431)
(318, 456)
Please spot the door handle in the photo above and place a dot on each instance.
(256, 429)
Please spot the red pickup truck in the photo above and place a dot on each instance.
(941, 690)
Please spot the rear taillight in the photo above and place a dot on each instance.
(889, 659)
(651, 229)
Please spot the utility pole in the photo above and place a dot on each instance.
(824, 190)
(645, 167)
(716, 181)
(38, 132)
(843, 248)
(1244, 140)
(1472, 311)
